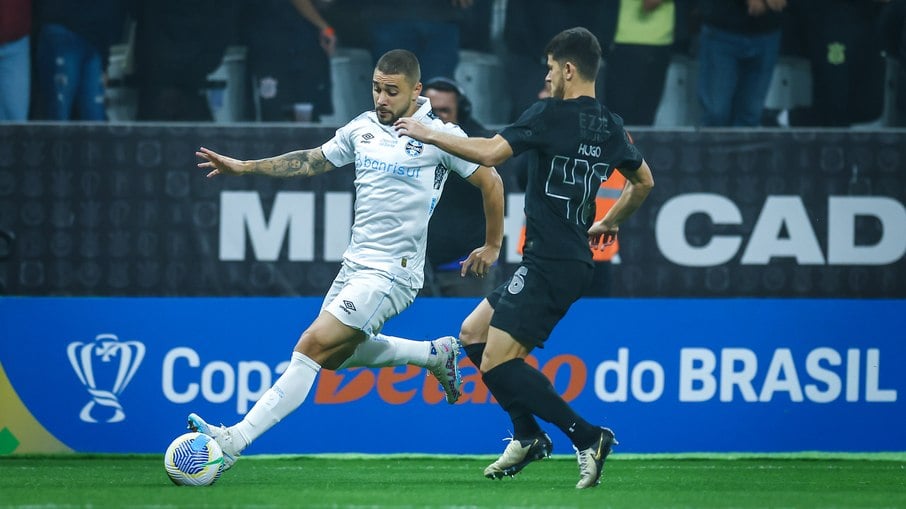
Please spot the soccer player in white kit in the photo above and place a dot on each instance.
(398, 183)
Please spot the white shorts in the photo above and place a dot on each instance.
(364, 298)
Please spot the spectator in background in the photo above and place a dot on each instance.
(529, 24)
(74, 39)
(428, 28)
(738, 48)
(346, 18)
(642, 48)
(840, 39)
(893, 33)
(475, 26)
(15, 60)
(458, 222)
(177, 44)
(289, 48)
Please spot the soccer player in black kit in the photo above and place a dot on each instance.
(578, 143)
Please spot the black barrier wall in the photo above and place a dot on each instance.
(120, 209)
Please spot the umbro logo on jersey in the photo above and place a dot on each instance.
(348, 306)
(414, 147)
(367, 137)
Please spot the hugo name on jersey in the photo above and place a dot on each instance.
(398, 182)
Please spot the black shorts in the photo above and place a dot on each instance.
(535, 298)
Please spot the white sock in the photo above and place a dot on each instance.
(383, 350)
(287, 393)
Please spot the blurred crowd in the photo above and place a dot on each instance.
(55, 54)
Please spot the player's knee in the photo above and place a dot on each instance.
(313, 346)
(471, 333)
(325, 348)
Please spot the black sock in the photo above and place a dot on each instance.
(525, 386)
(474, 352)
(524, 423)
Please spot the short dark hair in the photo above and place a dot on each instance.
(579, 46)
(400, 61)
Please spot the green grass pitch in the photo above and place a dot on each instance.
(407, 481)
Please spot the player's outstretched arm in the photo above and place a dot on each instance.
(484, 151)
(481, 259)
(639, 183)
(300, 163)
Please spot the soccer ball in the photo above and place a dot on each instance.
(193, 459)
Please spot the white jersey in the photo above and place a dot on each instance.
(398, 181)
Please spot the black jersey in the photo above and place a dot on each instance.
(578, 143)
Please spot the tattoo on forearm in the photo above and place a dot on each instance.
(301, 163)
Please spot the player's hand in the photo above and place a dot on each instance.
(408, 126)
(480, 261)
(776, 5)
(218, 164)
(601, 235)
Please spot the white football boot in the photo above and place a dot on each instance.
(591, 460)
(222, 435)
(443, 363)
(518, 454)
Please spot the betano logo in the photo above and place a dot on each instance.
(394, 387)
(117, 361)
